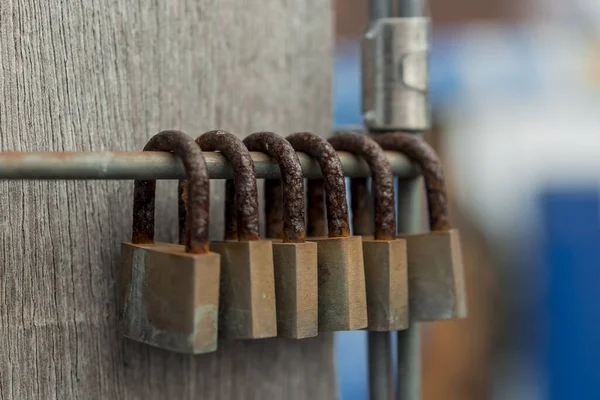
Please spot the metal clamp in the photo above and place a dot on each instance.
(394, 74)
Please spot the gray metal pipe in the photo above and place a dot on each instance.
(380, 9)
(410, 8)
(157, 165)
(410, 220)
(381, 381)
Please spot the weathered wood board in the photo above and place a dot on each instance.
(106, 75)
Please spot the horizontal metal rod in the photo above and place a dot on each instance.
(158, 165)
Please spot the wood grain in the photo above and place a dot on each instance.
(106, 75)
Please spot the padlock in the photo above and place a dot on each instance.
(341, 273)
(248, 308)
(294, 258)
(435, 266)
(170, 293)
(385, 256)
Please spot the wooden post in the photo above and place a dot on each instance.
(107, 75)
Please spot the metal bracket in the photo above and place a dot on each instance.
(395, 75)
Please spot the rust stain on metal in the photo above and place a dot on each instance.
(382, 179)
(335, 186)
(361, 211)
(425, 156)
(293, 181)
(198, 193)
(316, 225)
(245, 200)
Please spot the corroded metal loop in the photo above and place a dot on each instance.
(246, 193)
(362, 224)
(382, 179)
(335, 185)
(425, 156)
(293, 181)
(197, 193)
(316, 223)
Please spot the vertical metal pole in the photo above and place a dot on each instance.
(380, 9)
(409, 341)
(409, 200)
(410, 8)
(409, 220)
(381, 383)
(390, 106)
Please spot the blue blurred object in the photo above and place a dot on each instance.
(351, 362)
(571, 252)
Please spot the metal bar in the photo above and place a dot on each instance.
(380, 9)
(409, 363)
(157, 165)
(409, 220)
(409, 342)
(410, 8)
(381, 384)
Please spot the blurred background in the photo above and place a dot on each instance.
(515, 90)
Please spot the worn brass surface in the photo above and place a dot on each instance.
(342, 296)
(296, 289)
(170, 298)
(247, 289)
(436, 276)
(387, 284)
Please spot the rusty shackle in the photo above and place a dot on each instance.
(291, 177)
(425, 156)
(382, 179)
(242, 205)
(333, 179)
(198, 193)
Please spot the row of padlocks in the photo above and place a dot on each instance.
(183, 297)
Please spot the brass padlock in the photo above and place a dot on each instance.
(435, 266)
(294, 258)
(342, 297)
(248, 308)
(384, 255)
(170, 293)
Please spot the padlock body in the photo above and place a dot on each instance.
(247, 289)
(386, 279)
(341, 275)
(436, 276)
(296, 289)
(170, 298)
